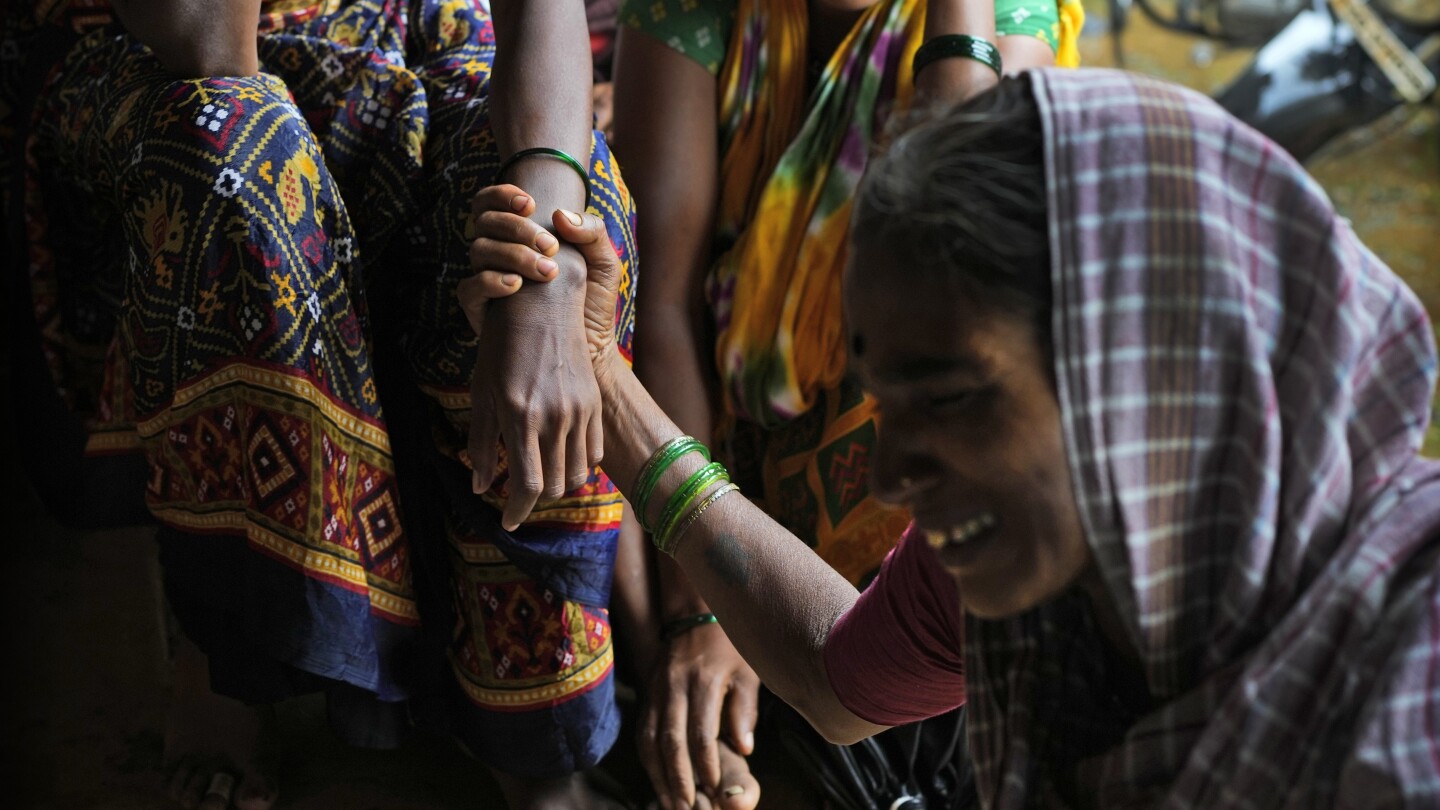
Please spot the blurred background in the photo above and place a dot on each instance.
(1384, 174)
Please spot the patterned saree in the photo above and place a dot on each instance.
(789, 168)
(251, 281)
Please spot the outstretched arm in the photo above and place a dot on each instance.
(776, 599)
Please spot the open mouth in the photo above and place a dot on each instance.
(961, 534)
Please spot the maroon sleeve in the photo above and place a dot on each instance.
(897, 656)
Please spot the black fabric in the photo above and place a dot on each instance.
(921, 766)
(78, 491)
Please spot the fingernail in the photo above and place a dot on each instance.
(545, 242)
(509, 279)
(575, 219)
(546, 266)
(749, 741)
(475, 482)
(518, 202)
(734, 790)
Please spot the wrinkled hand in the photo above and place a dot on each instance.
(504, 260)
(699, 680)
(532, 383)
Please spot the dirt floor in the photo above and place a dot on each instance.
(87, 657)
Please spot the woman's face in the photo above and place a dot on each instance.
(970, 438)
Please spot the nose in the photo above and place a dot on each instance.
(902, 467)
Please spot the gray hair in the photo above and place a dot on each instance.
(960, 194)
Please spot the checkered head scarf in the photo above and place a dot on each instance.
(1244, 389)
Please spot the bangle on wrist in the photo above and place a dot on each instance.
(655, 467)
(958, 45)
(546, 151)
(674, 628)
(682, 502)
(673, 541)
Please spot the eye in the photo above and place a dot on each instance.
(956, 400)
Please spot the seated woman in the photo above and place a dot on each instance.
(245, 222)
(1156, 411)
(743, 127)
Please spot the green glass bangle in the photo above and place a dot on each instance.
(545, 151)
(961, 45)
(672, 541)
(655, 467)
(676, 628)
(683, 500)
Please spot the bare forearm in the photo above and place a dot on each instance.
(1021, 53)
(665, 129)
(665, 124)
(776, 599)
(676, 182)
(671, 365)
(540, 96)
(956, 79)
(632, 604)
(671, 368)
(951, 80)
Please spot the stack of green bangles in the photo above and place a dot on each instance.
(686, 504)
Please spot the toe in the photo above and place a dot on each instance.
(738, 789)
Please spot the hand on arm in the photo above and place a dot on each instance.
(699, 686)
(531, 384)
(775, 598)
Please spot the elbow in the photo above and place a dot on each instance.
(837, 733)
(831, 719)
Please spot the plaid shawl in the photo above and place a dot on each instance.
(1244, 389)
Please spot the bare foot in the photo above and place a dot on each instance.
(219, 753)
(566, 793)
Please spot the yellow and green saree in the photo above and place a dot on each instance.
(795, 426)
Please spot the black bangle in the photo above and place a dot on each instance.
(675, 628)
(961, 45)
(545, 151)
